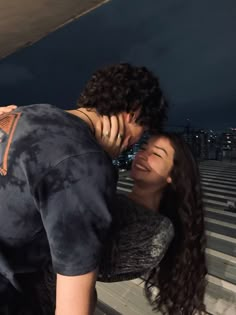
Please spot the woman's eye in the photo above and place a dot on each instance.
(157, 154)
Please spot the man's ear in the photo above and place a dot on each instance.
(130, 118)
(127, 117)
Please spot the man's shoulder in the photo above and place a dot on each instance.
(38, 109)
(53, 128)
(46, 135)
(40, 114)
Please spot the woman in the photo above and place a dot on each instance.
(164, 207)
(158, 232)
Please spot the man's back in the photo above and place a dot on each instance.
(49, 160)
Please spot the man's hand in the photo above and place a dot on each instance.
(7, 109)
(111, 134)
(76, 295)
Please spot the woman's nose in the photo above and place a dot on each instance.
(144, 154)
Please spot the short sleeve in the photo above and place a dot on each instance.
(74, 199)
(162, 239)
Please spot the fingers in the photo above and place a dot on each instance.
(98, 129)
(122, 132)
(7, 109)
(112, 134)
(11, 107)
(114, 123)
(106, 127)
(116, 135)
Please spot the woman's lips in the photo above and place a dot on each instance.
(141, 166)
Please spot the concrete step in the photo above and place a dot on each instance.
(220, 297)
(221, 179)
(218, 164)
(128, 183)
(221, 243)
(226, 167)
(218, 205)
(124, 297)
(218, 197)
(218, 169)
(218, 191)
(220, 227)
(220, 215)
(221, 265)
(123, 189)
(218, 184)
(222, 175)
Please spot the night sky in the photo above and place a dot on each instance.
(189, 44)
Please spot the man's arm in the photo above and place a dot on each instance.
(76, 295)
(73, 199)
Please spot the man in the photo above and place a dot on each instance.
(57, 182)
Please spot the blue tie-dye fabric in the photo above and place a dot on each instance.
(56, 186)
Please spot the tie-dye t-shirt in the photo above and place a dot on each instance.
(56, 184)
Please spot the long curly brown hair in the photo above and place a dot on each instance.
(180, 277)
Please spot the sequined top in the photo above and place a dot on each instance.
(140, 239)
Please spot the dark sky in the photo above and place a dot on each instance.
(189, 44)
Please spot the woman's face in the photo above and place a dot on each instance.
(153, 163)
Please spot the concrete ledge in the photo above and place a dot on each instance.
(22, 22)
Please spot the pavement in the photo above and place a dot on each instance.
(127, 298)
(23, 22)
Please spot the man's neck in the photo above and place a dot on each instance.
(90, 117)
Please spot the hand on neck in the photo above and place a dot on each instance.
(95, 122)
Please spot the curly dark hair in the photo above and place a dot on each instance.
(180, 277)
(123, 87)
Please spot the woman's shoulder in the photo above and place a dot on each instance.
(162, 236)
(166, 226)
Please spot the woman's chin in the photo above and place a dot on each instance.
(136, 175)
(132, 174)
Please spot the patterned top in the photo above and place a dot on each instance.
(141, 239)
